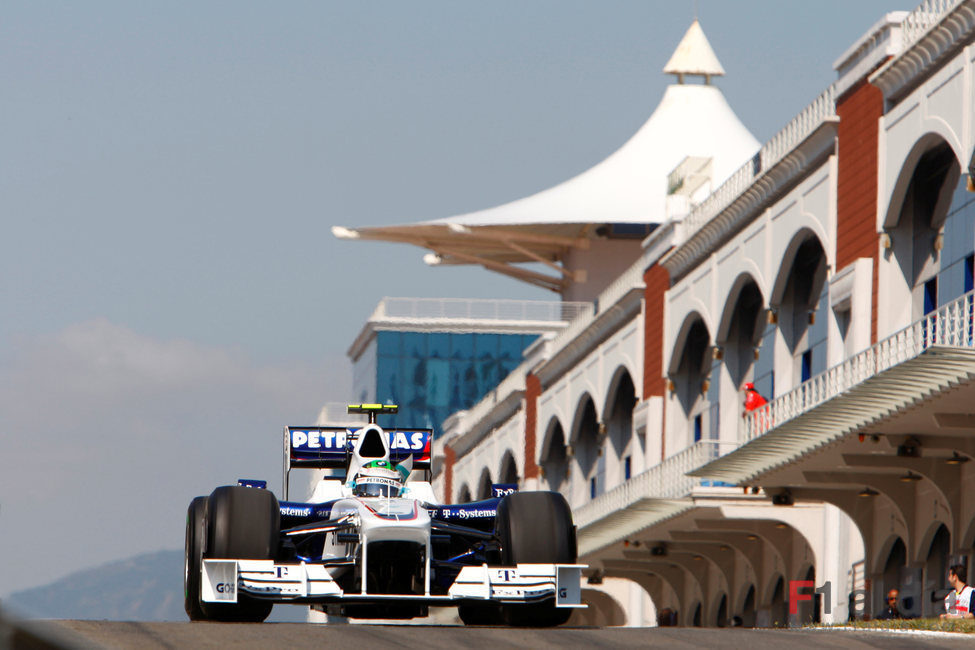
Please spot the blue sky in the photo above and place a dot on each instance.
(170, 292)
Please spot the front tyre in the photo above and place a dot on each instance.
(193, 557)
(242, 524)
(536, 527)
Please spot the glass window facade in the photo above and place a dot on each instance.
(433, 374)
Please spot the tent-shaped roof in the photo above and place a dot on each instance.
(694, 55)
(629, 186)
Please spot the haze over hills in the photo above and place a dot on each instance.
(146, 587)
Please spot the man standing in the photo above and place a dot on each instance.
(892, 610)
(958, 602)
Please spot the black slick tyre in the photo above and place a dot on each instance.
(242, 524)
(192, 558)
(536, 527)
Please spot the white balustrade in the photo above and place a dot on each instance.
(553, 311)
(924, 17)
(667, 480)
(950, 325)
(771, 153)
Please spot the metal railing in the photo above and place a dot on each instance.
(923, 18)
(547, 311)
(668, 480)
(950, 325)
(771, 153)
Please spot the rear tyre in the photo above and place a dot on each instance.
(193, 557)
(536, 527)
(242, 524)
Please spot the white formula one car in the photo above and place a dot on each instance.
(374, 543)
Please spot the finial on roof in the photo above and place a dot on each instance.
(694, 56)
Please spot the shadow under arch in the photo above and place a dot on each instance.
(508, 469)
(585, 441)
(929, 144)
(484, 485)
(689, 363)
(553, 458)
(618, 411)
(740, 329)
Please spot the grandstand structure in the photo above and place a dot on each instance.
(831, 266)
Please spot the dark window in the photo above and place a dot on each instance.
(969, 273)
(626, 468)
(806, 365)
(592, 488)
(930, 296)
(697, 428)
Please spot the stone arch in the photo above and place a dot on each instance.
(719, 610)
(748, 600)
(915, 225)
(777, 603)
(689, 363)
(553, 459)
(936, 565)
(618, 417)
(484, 484)
(508, 468)
(885, 551)
(789, 255)
(586, 440)
(725, 323)
(741, 327)
(928, 142)
(968, 539)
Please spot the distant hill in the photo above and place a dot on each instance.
(142, 588)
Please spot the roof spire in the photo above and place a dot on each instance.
(694, 56)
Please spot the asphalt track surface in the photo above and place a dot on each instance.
(109, 634)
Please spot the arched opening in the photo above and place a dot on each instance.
(554, 461)
(722, 615)
(808, 611)
(464, 496)
(509, 470)
(801, 308)
(741, 335)
(696, 618)
(619, 429)
(691, 379)
(895, 572)
(590, 463)
(779, 610)
(748, 612)
(484, 485)
(929, 237)
(936, 571)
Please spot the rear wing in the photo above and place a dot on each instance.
(330, 448)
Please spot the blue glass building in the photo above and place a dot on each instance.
(434, 357)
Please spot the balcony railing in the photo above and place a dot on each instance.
(924, 17)
(950, 325)
(668, 480)
(800, 128)
(546, 311)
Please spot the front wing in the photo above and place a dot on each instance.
(223, 580)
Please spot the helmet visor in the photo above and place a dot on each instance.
(376, 487)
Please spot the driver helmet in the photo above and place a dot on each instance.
(377, 478)
(748, 386)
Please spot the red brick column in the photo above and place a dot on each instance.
(450, 457)
(657, 281)
(533, 390)
(859, 110)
